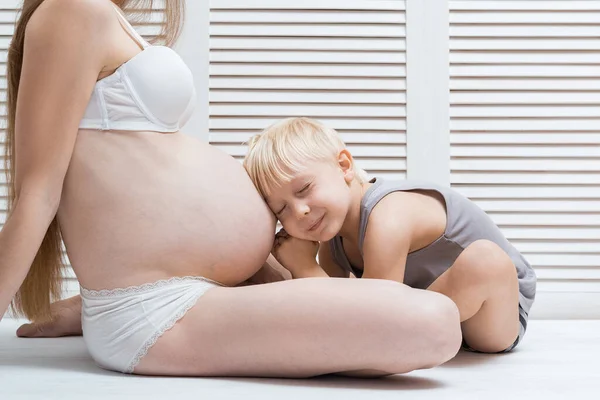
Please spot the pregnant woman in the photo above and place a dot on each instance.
(160, 228)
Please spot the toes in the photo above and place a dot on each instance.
(28, 330)
(39, 329)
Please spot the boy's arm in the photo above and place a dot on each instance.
(387, 243)
(298, 256)
(310, 271)
(328, 264)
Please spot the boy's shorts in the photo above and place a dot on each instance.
(523, 317)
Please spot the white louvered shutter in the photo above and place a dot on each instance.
(525, 130)
(8, 16)
(339, 61)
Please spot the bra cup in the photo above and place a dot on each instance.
(154, 91)
(162, 83)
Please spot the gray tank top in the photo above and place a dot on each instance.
(466, 223)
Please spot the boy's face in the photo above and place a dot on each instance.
(314, 204)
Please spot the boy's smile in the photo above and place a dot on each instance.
(314, 203)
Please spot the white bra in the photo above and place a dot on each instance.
(153, 91)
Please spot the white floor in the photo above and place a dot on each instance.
(557, 360)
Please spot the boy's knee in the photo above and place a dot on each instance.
(491, 263)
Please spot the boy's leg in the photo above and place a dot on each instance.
(483, 283)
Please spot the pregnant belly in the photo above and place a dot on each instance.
(138, 208)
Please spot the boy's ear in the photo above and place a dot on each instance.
(346, 163)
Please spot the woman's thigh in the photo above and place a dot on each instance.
(309, 327)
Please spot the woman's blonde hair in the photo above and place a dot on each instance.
(287, 146)
(43, 282)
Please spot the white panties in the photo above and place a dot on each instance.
(121, 325)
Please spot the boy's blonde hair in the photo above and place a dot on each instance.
(288, 145)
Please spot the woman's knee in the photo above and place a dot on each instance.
(442, 322)
(435, 330)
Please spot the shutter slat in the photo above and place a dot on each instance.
(524, 84)
(559, 71)
(525, 124)
(312, 83)
(523, 57)
(543, 16)
(523, 31)
(348, 97)
(536, 151)
(307, 70)
(333, 5)
(525, 165)
(540, 219)
(345, 30)
(526, 205)
(307, 57)
(531, 98)
(313, 17)
(525, 5)
(515, 44)
(529, 192)
(299, 110)
(529, 247)
(523, 178)
(482, 138)
(383, 124)
(565, 267)
(286, 44)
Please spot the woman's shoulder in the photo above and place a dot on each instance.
(91, 16)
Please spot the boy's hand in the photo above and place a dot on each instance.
(270, 272)
(293, 253)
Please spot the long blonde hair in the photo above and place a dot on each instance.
(43, 282)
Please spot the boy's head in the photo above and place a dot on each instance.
(304, 171)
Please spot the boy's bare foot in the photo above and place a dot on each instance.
(66, 321)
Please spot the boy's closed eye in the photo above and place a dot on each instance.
(304, 188)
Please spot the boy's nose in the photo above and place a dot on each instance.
(302, 211)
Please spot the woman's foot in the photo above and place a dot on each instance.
(65, 321)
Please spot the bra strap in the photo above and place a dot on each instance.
(130, 28)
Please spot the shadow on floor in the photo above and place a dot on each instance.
(396, 382)
(469, 359)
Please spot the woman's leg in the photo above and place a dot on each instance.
(309, 327)
(66, 314)
(483, 283)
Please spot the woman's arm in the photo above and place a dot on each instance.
(64, 52)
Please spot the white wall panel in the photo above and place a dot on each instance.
(525, 135)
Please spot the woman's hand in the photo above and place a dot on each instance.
(297, 255)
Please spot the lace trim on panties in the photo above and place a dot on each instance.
(144, 287)
(168, 325)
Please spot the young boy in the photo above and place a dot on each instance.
(420, 234)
